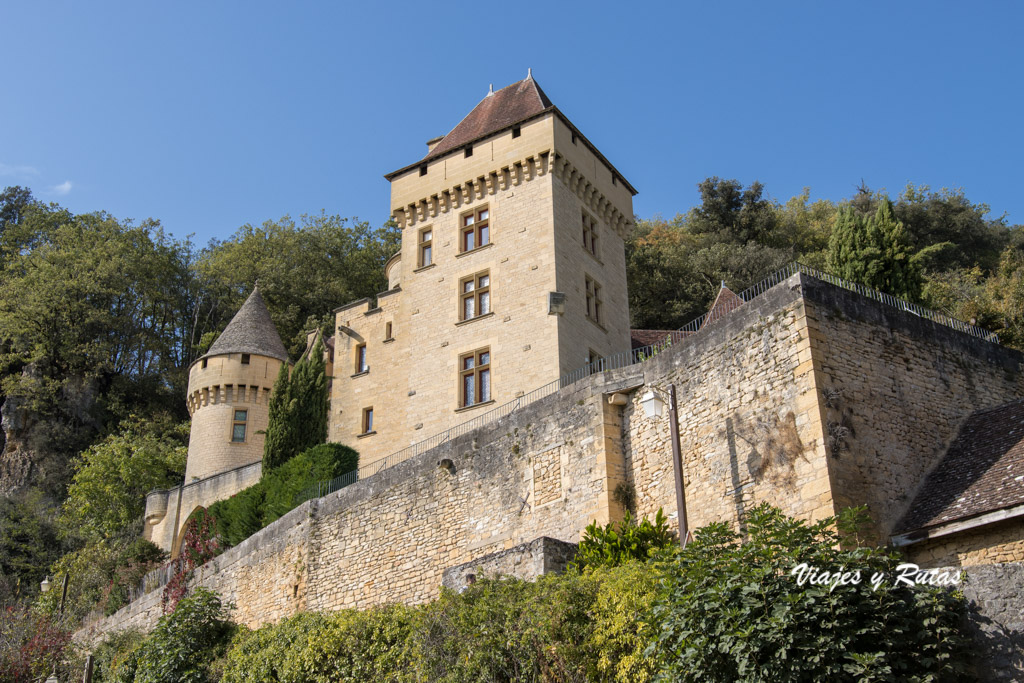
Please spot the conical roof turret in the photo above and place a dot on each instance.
(250, 331)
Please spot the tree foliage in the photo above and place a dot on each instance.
(107, 495)
(618, 543)
(297, 410)
(732, 610)
(874, 252)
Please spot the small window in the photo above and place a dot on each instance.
(204, 363)
(361, 365)
(475, 378)
(476, 231)
(423, 169)
(367, 425)
(238, 426)
(387, 332)
(475, 296)
(593, 300)
(469, 151)
(245, 359)
(595, 361)
(426, 256)
(573, 141)
(516, 132)
(590, 234)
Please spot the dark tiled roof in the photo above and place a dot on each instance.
(250, 331)
(641, 338)
(982, 471)
(508, 106)
(727, 301)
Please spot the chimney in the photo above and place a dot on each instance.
(432, 143)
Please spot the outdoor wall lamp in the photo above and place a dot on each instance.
(654, 406)
(44, 585)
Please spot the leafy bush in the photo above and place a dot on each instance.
(278, 492)
(623, 622)
(731, 610)
(323, 648)
(615, 544)
(31, 645)
(113, 652)
(183, 643)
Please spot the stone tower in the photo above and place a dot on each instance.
(511, 273)
(229, 391)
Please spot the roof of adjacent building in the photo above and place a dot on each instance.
(726, 302)
(250, 331)
(498, 111)
(983, 471)
(642, 338)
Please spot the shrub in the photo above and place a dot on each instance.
(615, 544)
(113, 652)
(31, 645)
(182, 644)
(623, 624)
(279, 491)
(731, 610)
(323, 648)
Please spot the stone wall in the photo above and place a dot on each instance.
(527, 561)
(896, 389)
(753, 411)
(989, 544)
(996, 619)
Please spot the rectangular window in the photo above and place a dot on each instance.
(423, 169)
(238, 426)
(245, 359)
(426, 247)
(476, 230)
(593, 300)
(469, 151)
(516, 132)
(204, 363)
(475, 378)
(590, 234)
(387, 332)
(367, 420)
(475, 296)
(361, 365)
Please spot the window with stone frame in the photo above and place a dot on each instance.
(590, 235)
(238, 426)
(361, 364)
(593, 299)
(475, 229)
(475, 296)
(426, 248)
(367, 423)
(475, 378)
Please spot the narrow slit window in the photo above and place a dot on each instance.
(367, 425)
(387, 332)
(361, 365)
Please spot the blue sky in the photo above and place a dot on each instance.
(210, 115)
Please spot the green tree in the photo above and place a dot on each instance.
(29, 544)
(281, 438)
(873, 251)
(733, 610)
(107, 494)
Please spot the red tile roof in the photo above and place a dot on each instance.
(727, 301)
(507, 107)
(983, 471)
(641, 338)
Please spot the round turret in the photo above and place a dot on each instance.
(229, 392)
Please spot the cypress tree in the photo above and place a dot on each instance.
(874, 252)
(279, 444)
(309, 389)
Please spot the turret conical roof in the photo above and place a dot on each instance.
(250, 331)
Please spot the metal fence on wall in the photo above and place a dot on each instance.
(627, 358)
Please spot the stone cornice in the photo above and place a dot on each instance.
(512, 175)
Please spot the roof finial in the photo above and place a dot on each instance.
(256, 285)
(723, 284)
(490, 90)
(529, 72)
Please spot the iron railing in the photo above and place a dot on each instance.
(161, 576)
(627, 358)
